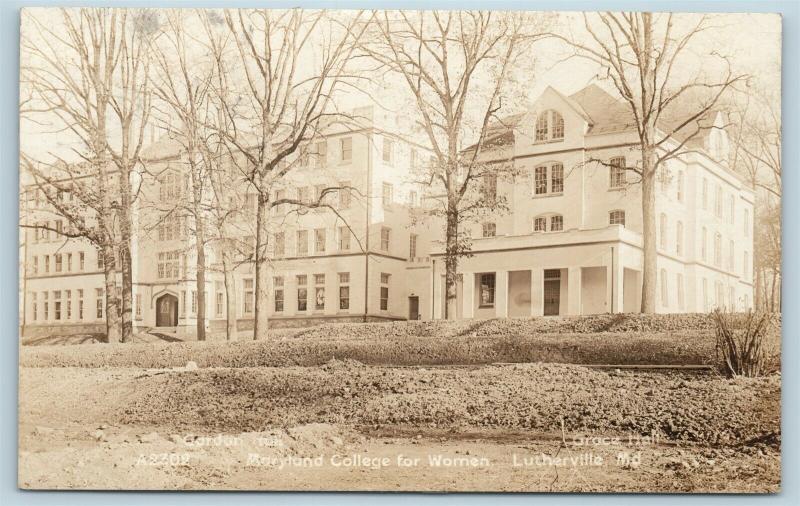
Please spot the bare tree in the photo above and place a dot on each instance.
(442, 58)
(642, 54)
(279, 102)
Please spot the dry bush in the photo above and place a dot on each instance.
(742, 342)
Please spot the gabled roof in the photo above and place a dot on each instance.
(606, 113)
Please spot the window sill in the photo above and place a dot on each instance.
(483, 306)
(547, 195)
(548, 141)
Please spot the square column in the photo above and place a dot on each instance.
(501, 294)
(438, 294)
(574, 291)
(537, 292)
(468, 295)
(615, 281)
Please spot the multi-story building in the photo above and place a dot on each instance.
(570, 242)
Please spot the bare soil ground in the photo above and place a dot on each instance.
(349, 426)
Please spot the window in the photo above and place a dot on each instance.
(717, 249)
(320, 195)
(194, 301)
(388, 150)
(302, 293)
(277, 282)
(412, 246)
(46, 261)
(168, 264)
(705, 194)
(34, 307)
(279, 195)
(540, 224)
(557, 178)
(45, 306)
(170, 227)
(487, 283)
(679, 282)
(384, 291)
(718, 202)
(489, 188)
(489, 230)
(98, 298)
(68, 303)
(730, 255)
(280, 244)
(249, 300)
(344, 290)
(746, 265)
(617, 175)
(344, 239)
(302, 243)
(344, 195)
(388, 194)
(137, 303)
(169, 187)
(662, 223)
(746, 222)
(732, 298)
(664, 288)
(219, 302)
(183, 303)
(385, 236)
(556, 223)
(101, 260)
(705, 295)
(413, 198)
(81, 260)
(540, 180)
(57, 304)
(704, 244)
(320, 154)
(80, 304)
(679, 238)
(616, 217)
(319, 292)
(732, 209)
(549, 126)
(346, 143)
(319, 240)
(250, 203)
(680, 186)
(35, 265)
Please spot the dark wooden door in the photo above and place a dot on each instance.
(552, 296)
(413, 308)
(167, 311)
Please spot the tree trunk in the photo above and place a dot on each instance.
(451, 265)
(649, 278)
(125, 229)
(201, 276)
(113, 320)
(230, 299)
(261, 318)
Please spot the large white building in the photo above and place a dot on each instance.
(571, 242)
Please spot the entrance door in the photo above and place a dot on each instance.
(552, 291)
(167, 311)
(413, 308)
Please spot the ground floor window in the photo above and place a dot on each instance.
(57, 304)
(384, 291)
(664, 288)
(679, 282)
(98, 293)
(34, 307)
(248, 296)
(68, 303)
(319, 291)
(302, 293)
(487, 289)
(344, 290)
(45, 306)
(616, 218)
(80, 304)
(278, 294)
(138, 311)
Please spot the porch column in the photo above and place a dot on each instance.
(574, 291)
(537, 292)
(468, 294)
(501, 294)
(438, 296)
(615, 281)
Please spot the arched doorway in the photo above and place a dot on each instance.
(167, 311)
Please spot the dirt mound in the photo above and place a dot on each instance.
(535, 397)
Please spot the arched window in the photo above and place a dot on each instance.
(664, 288)
(616, 217)
(548, 223)
(679, 238)
(663, 231)
(718, 249)
(549, 126)
(704, 244)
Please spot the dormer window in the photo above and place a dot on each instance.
(549, 127)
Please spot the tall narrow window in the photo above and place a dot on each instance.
(679, 282)
(249, 299)
(664, 288)
(541, 127)
(487, 284)
(540, 224)
(556, 223)
(347, 148)
(344, 195)
(194, 301)
(490, 188)
(319, 240)
(344, 238)
(558, 125)
(46, 261)
(80, 304)
(302, 243)
(278, 293)
(540, 180)
(138, 304)
(384, 291)
(280, 244)
(319, 292)
(219, 299)
(704, 244)
(557, 178)
(718, 249)
(385, 236)
(388, 150)
(46, 306)
(57, 304)
(302, 293)
(718, 202)
(69, 262)
(732, 209)
(344, 290)
(489, 230)
(68, 304)
(680, 186)
(662, 223)
(388, 194)
(746, 266)
(320, 154)
(412, 246)
(99, 303)
(679, 238)
(81, 260)
(616, 172)
(34, 307)
(59, 262)
(746, 223)
(705, 194)
(731, 251)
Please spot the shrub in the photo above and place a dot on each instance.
(741, 342)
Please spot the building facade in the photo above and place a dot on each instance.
(570, 243)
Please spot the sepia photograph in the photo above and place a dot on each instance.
(399, 250)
